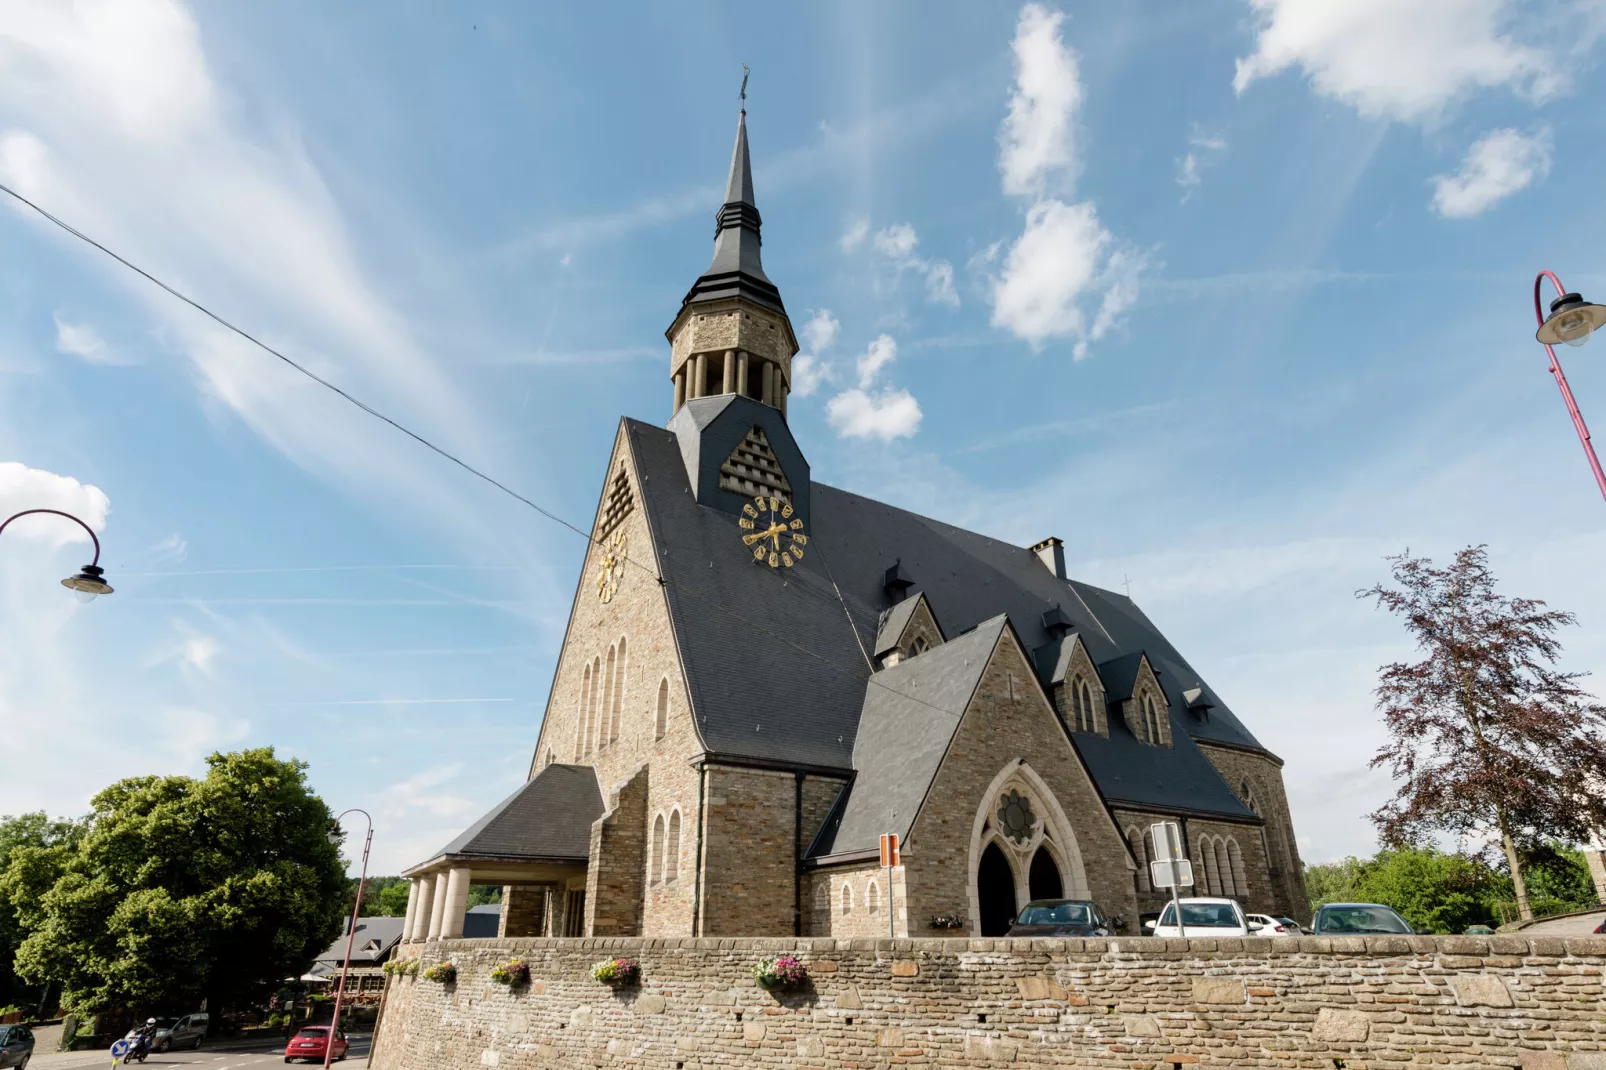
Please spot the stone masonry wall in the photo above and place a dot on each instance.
(749, 852)
(1128, 1003)
(1264, 777)
(617, 865)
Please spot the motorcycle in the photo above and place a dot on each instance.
(132, 1048)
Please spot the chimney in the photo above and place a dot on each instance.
(1051, 552)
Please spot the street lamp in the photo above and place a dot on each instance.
(351, 933)
(90, 582)
(1572, 320)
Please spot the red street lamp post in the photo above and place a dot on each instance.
(351, 933)
(1572, 320)
(90, 581)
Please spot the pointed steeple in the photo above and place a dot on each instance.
(732, 334)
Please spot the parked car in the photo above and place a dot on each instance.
(1353, 919)
(1266, 925)
(1061, 917)
(1147, 921)
(16, 1045)
(310, 1042)
(185, 1032)
(1204, 917)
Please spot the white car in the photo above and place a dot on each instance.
(1204, 917)
(1266, 925)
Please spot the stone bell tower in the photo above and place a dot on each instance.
(732, 335)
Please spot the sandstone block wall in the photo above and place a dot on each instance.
(749, 852)
(1129, 1003)
(1263, 777)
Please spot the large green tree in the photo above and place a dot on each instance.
(185, 889)
(48, 842)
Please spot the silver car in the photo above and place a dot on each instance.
(185, 1032)
(16, 1045)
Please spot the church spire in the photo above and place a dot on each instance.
(732, 335)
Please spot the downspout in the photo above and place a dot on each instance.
(797, 859)
(697, 879)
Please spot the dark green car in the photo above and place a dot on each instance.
(1359, 919)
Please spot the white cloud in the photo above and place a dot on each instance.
(810, 370)
(885, 415)
(1396, 59)
(1035, 144)
(1203, 149)
(821, 331)
(1064, 259)
(24, 162)
(83, 341)
(897, 243)
(22, 488)
(882, 351)
(1497, 165)
(854, 236)
(198, 651)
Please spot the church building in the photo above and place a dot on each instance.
(763, 675)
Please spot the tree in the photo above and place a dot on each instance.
(1332, 882)
(393, 899)
(186, 889)
(1487, 739)
(48, 842)
(1435, 892)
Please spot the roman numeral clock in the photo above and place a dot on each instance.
(775, 536)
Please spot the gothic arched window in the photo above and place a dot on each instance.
(582, 731)
(919, 646)
(1151, 721)
(1224, 869)
(872, 897)
(672, 855)
(655, 854)
(1139, 842)
(661, 723)
(610, 676)
(619, 676)
(1235, 864)
(847, 899)
(1078, 717)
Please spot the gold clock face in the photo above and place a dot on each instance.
(612, 568)
(771, 531)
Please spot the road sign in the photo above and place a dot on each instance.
(1166, 837)
(1171, 874)
(889, 850)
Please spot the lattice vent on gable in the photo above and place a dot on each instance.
(752, 469)
(618, 506)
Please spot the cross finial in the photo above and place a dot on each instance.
(745, 74)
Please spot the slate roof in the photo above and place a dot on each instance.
(548, 819)
(386, 931)
(737, 269)
(902, 739)
(803, 710)
(893, 622)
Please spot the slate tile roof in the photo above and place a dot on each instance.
(777, 677)
(548, 819)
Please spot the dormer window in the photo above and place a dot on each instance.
(1151, 721)
(919, 646)
(1082, 719)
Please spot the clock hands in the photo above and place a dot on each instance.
(774, 532)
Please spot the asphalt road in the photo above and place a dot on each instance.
(256, 1057)
(1581, 925)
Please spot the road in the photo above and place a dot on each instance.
(1578, 925)
(257, 1057)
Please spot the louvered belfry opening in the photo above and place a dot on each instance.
(618, 506)
(752, 469)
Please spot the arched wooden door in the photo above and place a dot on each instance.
(995, 892)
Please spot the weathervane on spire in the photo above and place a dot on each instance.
(745, 74)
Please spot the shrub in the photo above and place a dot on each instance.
(512, 972)
(617, 972)
(783, 971)
(947, 921)
(442, 973)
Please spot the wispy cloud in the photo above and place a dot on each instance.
(84, 342)
(897, 244)
(1497, 165)
(1203, 150)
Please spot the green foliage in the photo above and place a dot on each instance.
(393, 900)
(183, 889)
(480, 895)
(1332, 882)
(1559, 881)
(39, 845)
(380, 896)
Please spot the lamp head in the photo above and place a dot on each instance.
(334, 832)
(89, 584)
(1572, 320)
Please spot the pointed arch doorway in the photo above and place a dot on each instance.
(1044, 878)
(995, 892)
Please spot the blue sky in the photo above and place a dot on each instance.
(1231, 296)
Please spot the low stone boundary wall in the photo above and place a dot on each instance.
(1339, 1003)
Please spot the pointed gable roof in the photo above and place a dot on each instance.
(737, 269)
(895, 620)
(905, 727)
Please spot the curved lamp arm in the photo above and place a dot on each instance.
(57, 512)
(1561, 383)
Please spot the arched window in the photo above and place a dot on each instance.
(655, 855)
(1212, 874)
(1078, 717)
(593, 737)
(1139, 842)
(661, 723)
(872, 898)
(1087, 704)
(609, 676)
(1151, 721)
(1224, 869)
(582, 740)
(619, 677)
(1247, 794)
(1235, 863)
(847, 899)
(672, 856)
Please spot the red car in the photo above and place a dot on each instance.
(310, 1044)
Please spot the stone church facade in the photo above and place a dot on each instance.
(763, 674)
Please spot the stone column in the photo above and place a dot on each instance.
(439, 905)
(741, 372)
(730, 372)
(548, 926)
(411, 917)
(699, 376)
(424, 908)
(680, 388)
(456, 903)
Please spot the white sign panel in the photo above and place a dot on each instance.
(1161, 874)
(1166, 839)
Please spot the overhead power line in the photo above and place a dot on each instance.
(480, 474)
